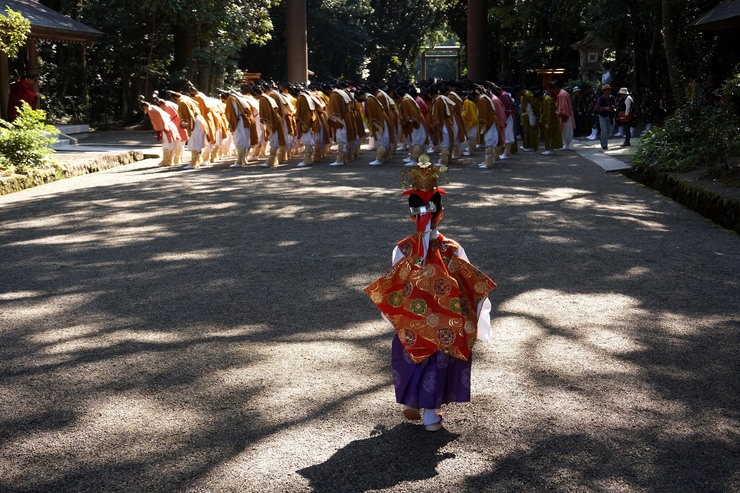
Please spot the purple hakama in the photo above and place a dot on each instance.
(439, 379)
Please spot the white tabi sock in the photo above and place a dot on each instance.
(430, 417)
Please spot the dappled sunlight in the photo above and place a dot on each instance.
(60, 239)
(494, 200)
(566, 356)
(358, 333)
(188, 255)
(290, 450)
(41, 309)
(611, 338)
(64, 334)
(333, 215)
(644, 223)
(287, 243)
(120, 428)
(208, 331)
(678, 325)
(290, 391)
(281, 211)
(120, 235)
(558, 194)
(360, 280)
(111, 339)
(612, 247)
(597, 307)
(236, 332)
(558, 240)
(631, 274)
(20, 295)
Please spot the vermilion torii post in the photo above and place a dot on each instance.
(477, 39)
(295, 34)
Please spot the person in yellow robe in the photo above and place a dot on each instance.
(552, 130)
(340, 120)
(272, 125)
(488, 123)
(194, 123)
(308, 125)
(413, 126)
(458, 122)
(241, 121)
(530, 110)
(390, 108)
(441, 126)
(379, 125)
(470, 116)
(286, 112)
(359, 124)
(212, 111)
(323, 143)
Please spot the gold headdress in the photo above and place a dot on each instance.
(423, 180)
(424, 177)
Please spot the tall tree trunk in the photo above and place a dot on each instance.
(653, 62)
(669, 38)
(183, 45)
(505, 61)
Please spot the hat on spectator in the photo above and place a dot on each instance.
(624, 90)
(606, 86)
(576, 89)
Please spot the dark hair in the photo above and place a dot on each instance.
(416, 201)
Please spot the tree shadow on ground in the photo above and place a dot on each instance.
(386, 459)
(156, 292)
(582, 462)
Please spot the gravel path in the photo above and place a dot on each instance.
(171, 331)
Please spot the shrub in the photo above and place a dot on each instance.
(730, 92)
(25, 143)
(698, 134)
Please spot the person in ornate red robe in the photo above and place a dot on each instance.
(437, 302)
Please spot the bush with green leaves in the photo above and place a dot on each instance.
(730, 92)
(697, 135)
(26, 142)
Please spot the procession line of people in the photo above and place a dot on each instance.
(269, 124)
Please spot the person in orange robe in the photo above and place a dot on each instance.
(379, 123)
(413, 125)
(488, 124)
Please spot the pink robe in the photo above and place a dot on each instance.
(565, 109)
(161, 122)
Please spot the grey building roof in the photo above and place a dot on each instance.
(50, 24)
(723, 16)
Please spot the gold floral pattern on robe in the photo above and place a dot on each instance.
(432, 305)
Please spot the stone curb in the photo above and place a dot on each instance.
(724, 211)
(16, 183)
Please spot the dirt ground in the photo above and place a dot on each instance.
(166, 330)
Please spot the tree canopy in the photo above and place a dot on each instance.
(14, 29)
(162, 43)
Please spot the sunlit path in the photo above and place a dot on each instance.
(166, 330)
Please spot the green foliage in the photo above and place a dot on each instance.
(397, 31)
(730, 92)
(698, 134)
(581, 83)
(14, 29)
(703, 133)
(158, 44)
(25, 143)
(146, 46)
